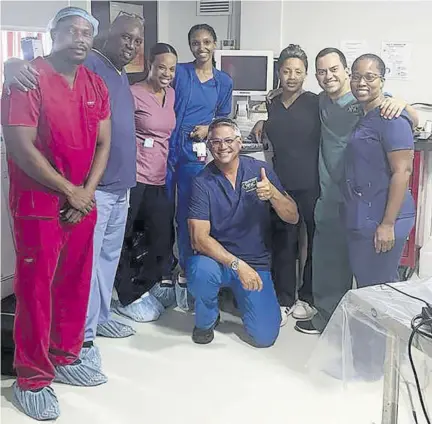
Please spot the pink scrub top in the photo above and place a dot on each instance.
(154, 123)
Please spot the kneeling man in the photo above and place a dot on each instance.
(229, 220)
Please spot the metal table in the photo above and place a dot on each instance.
(371, 301)
(372, 326)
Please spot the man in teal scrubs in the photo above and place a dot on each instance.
(331, 273)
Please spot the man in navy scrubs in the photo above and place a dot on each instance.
(229, 222)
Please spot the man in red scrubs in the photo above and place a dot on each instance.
(58, 139)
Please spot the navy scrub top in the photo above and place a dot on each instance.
(240, 222)
(367, 173)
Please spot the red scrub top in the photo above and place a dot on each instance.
(67, 121)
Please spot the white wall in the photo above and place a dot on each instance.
(261, 22)
(34, 15)
(314, 26)
(175, 18)
(163, 25)
(318, 24)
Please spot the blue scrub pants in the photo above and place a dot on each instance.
(259, 310)
(112, 210)
(184, 175)
(369, 267)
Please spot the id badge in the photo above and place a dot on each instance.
(201, 151)
(148, 142)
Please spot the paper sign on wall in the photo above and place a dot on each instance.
(397, 58)
(353, 49)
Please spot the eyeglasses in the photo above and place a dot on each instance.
(130, 15)
(217, 142)
(368, 77)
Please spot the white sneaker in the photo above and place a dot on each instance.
(285, 313)
(303, 311)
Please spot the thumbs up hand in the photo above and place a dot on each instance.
(264, 188)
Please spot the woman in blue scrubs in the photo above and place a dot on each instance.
(203, 93)
(378, 208)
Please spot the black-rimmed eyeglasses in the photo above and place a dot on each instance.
(368, 77)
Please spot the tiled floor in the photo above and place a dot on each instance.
(160, 377)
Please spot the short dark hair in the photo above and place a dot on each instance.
(161, 48)
(290, 52)
(202, 27)
(378, 61)
(224, 122)
(330, 50)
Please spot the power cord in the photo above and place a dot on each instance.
(423, 333)
(413, 410)
(425, 318)
(408, 295)
(422, 104)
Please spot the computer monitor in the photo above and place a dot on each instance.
(251, 70)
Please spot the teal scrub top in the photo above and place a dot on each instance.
(338, 119)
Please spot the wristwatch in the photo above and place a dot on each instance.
(235, 264)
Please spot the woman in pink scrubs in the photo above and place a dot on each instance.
(149, 204)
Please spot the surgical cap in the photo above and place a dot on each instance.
(74, 11)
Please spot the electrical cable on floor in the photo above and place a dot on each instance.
(415, 330)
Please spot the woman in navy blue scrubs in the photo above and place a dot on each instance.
(378, 208)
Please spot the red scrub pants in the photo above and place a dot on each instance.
(52, 286)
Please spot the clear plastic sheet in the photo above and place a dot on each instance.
(367, 339)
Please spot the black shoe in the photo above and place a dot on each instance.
(200, 336)
(306, 327)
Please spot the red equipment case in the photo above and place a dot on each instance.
(408, 261)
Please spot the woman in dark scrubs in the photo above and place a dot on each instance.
(294, 130)
(378, 210)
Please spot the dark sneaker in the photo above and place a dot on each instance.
(306, 327)
(201, 336)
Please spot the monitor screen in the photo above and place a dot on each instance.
(249, 73)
